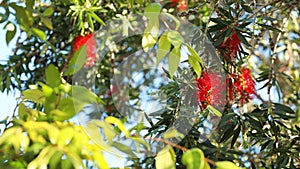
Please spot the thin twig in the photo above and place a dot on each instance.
(167, 142)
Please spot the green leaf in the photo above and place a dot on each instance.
(90, 21)
(150, 34)
(108, 129)
(173, 133)
(206, 165)
(83, 95)
(95, 135)
(50, 102)
(235, 136)
(11, 32)
(130, 3)
(175, 38)
(164, 46)
(8, 82)
(48, 12)
(173, 18)
(77, 61)
(60, 115)
(226, 13)
(247, 8)
(22, 111)
(214, 111)
(67, 105)
(52, 76)
(141, 141)
(166, 158)
(195, 61)
(43, 158)
(174, 60)
(242, 38)
(226, 165)
(1, 82)
(24, 17)
(93, 15)
(283, 108)
(55, 159)
(270, 27)
(194, 159)
(152, 30)
(219, 21)
(65, 136)
(152, 9)
(47, 23)
(4, 15)
(48, 91)
(100, 158)
(216, 27)
(117, 122)
(34, 95)
(39, 33)
(29, 3)
(124, 148)
(66, 163)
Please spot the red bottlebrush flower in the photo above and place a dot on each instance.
(210, 90)
(182, 5)
(243, 86)
(231, 46)
(173, 3)
(91, 46)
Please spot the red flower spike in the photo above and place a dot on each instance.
(231, 46)
(210, 90)
(243, 86)
(182, 5)
(91, 46)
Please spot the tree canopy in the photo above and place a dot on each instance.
(157, 84)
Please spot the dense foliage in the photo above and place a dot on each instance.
(177, 84)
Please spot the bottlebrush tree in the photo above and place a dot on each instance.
(175, 84)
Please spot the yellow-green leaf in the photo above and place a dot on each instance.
(173, 60)
(206, 165)
(124, 148)
(39, 33)
(48, 12)
(175, 38)
(150, 34)
(226, 165)
(117, 122)
(164, 46)
(11, 31)
(195, 60)
(102, 163)
(34, 95)
(47, 23)
(65, 136)
(194, 159)
(108, 129)
(139, 140)
(173, 133)
(166, 158)
(153, 8)
(53, 76)
(77, 61)
(214, 111)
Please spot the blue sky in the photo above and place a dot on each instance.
(7, 102)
